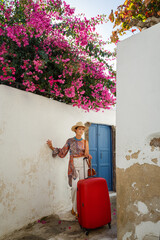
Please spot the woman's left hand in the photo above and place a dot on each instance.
(88, 156)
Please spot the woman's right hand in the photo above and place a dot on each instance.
(49, 143)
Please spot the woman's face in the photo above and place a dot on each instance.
(79, 131)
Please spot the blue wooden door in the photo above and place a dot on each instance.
(100, 148)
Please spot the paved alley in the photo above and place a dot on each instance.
(64, 227)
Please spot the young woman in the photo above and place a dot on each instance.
(78, 149)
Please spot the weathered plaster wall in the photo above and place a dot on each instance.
(138, 136)
(32, 183)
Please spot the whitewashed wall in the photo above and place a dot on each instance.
(138, 136)
(32, 183)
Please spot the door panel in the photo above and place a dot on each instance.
(104, 148)
(93, 148)
(100, 149)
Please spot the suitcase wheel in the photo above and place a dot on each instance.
(85, 230)
(109, 224)
(87, 233)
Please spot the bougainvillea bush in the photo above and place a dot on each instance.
(46, 49)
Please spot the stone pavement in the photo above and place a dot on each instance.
(65, 227)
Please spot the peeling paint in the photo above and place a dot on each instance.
(135, 155)
(137, 197)
(52, 190)
(2, 189)
(148, 229)
(147, 155)
(128, 157)
(44, 153)
(127, 236)
(8, 193)
(142, 208)
(29, 166)
(133, 185)
(155, 160)
(155, 142)
(152, 148)
(29, 171)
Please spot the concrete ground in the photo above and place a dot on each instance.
(65, 227)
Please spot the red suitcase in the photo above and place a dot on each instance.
(93, 203)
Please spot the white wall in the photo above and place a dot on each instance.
(32, 183)
(138, 92)
(138, 122)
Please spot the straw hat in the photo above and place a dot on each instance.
(79, 124)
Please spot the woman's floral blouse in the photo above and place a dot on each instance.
(76, 149)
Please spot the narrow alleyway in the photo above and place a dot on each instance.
(64, 227)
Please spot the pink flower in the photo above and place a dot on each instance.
(43, 222)
(29, 73)
(70, 92)
(36, 77)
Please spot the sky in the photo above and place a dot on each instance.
(92, 8)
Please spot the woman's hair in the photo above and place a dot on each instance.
(77, 127)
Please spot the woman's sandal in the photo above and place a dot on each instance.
(73, 212)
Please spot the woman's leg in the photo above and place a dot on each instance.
(81, 171)
(78, 163)
(74, 193)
